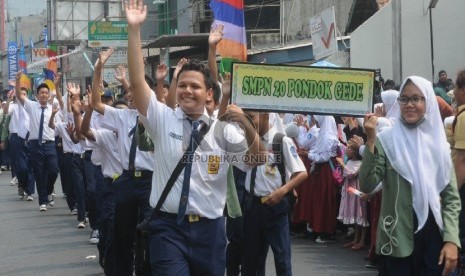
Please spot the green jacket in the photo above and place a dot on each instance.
(4, 130)
(395, 227)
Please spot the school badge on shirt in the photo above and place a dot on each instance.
(213, 164)
(293, 151)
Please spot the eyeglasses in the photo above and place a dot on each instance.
(413, 100)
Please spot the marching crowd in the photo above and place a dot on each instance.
(172, 180)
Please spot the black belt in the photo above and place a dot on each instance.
(190, 218)
(139, 173)
(43, 141)
(73, 154)
(258, 199)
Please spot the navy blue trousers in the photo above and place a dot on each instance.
(196, 248)
(265, 226)
(93, 179)
(45, 164)
(131, 200)
(77, 182)
(20, 161)
(106, 231)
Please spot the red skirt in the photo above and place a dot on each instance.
(324, 200)
(303, 208)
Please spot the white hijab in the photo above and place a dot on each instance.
(421, 155)
(276, 122)
(391, 106)
(327, 136)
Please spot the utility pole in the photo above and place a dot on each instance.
(397, 40)
(49, 20)
(2, 25)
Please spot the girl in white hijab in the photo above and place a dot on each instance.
(324, 195)
(413, 160)
(391, 107)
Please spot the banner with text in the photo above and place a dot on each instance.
(12, 59)
(296, 89)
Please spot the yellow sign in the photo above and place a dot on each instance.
(298, 89)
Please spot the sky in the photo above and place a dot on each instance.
(25, 7)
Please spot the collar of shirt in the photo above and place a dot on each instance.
(204, 117)
(460, 108)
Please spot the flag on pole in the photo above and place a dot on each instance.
(45, 37)
(52, 64)
(233, 46)
(22, 62)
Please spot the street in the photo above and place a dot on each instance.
(49, 243)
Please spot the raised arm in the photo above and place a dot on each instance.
(256, 152)
(57, 82)
(136, 13)
(6, 108)
(216, 35)
(162, 72)
(226, 90)
(51, 122)
(85, 124)
(21, 98)
(371, 120)
(120, 75)
(171, 98)
(96, 101)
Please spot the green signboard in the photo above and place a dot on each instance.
(108, 34)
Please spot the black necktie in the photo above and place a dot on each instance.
(187, 171)
(41, 125)
(132, 151)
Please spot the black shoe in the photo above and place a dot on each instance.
(371, 264)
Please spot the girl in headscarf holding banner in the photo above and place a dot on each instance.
(418, 230)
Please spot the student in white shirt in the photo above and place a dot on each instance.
(266, 220)
(41, 139)
(132, 187)
(188, 234)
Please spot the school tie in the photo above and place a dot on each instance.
(132, 151)
(41, 125)
(187, 171)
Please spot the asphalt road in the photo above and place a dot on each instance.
(49, 243)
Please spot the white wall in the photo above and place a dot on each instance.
(371, 43)
(449, 37)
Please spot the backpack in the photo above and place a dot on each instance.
(277, 148)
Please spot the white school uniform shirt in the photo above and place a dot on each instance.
(68, 145)
(170, 132)
(105, 141)
(19, 122)
(268, 178)
(122, 121)
(95, 123)
(307, 139)
(34, 110)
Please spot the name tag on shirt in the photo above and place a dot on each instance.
(213, 164)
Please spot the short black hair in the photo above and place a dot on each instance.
(42, 85)
(442, 71)
(166, 84)
(389, 84)
(23, 89)
(150, 81)
(120, 101)
(196, 65)
(105, 84)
